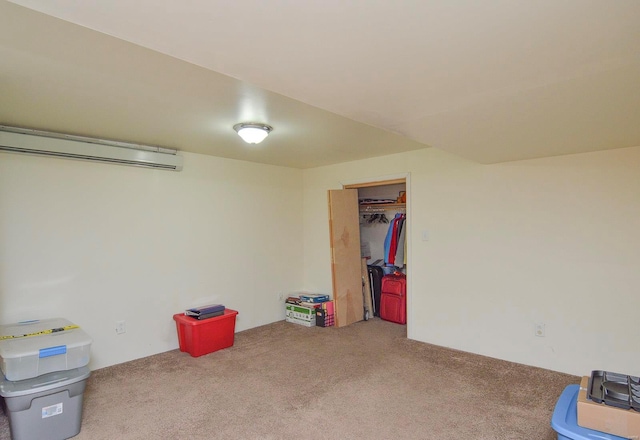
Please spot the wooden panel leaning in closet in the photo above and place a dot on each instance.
(345, 256)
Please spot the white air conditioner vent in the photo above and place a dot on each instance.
(26, 141)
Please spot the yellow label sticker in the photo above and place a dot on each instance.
(43, 332)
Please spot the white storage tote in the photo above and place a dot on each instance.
(33, 348)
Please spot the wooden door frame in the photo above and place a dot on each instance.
(393, 179)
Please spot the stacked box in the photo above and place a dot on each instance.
(565, 419)
(300, 315)
(325, 316)
(33, 348)
(48, 406)
(44, 364)
(620, 420)
(324, 319)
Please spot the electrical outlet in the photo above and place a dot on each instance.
(120, 327)
(281, 297)
(539, 330)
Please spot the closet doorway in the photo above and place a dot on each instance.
(350, 210)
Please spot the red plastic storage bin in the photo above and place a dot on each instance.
(199, 337)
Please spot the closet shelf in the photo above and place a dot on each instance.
(380, 207)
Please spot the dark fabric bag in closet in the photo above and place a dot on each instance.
(375, 281)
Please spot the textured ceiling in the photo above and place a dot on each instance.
(491, 81)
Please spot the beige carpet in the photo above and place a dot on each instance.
(285, 381)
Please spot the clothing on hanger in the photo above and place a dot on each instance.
(392, 241)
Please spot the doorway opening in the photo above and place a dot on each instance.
(366, 209)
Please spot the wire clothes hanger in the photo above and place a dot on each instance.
(375, 218)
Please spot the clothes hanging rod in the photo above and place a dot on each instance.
(383, 207)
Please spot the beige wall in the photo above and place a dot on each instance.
(553, 241)
(97, 243)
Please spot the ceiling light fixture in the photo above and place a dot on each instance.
(252, 132)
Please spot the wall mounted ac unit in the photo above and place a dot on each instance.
(22, 140)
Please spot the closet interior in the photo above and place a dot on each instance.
(383, 236)
(381, 209)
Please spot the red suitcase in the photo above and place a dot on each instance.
(393, 300)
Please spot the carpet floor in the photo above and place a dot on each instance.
(285, 381)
